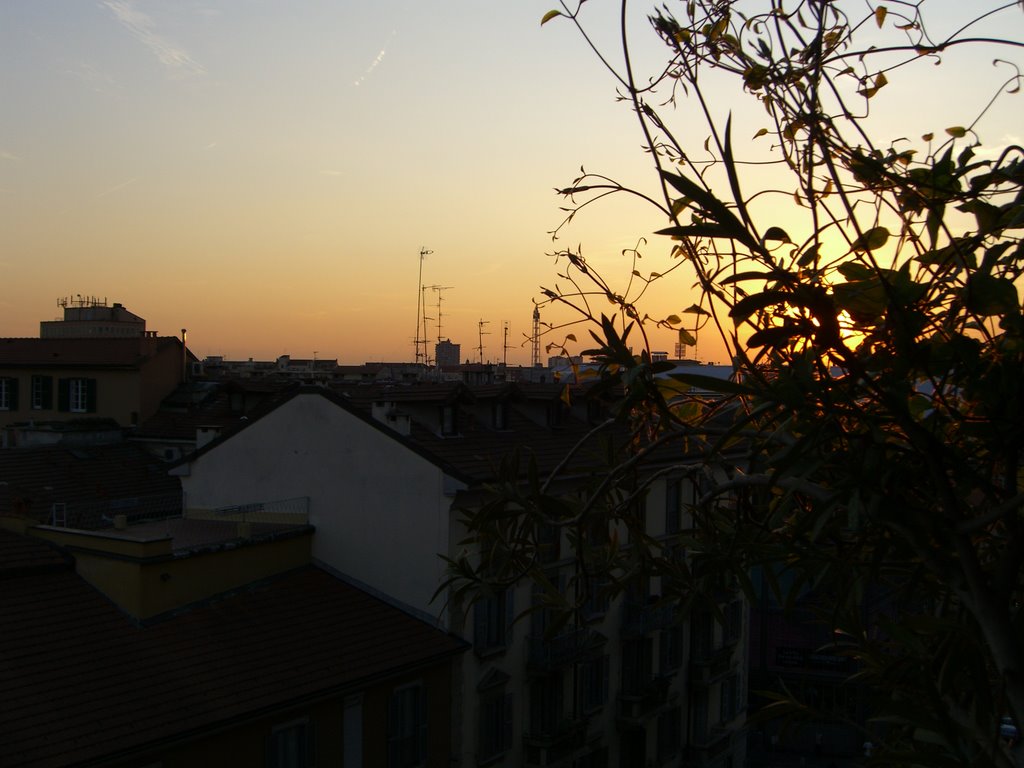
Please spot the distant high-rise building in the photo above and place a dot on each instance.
(447, 354)
(88, 317)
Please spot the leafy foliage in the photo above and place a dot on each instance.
(869, 447)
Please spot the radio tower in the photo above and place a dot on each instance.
(504, 343)
(535, 346)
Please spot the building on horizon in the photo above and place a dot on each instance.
(447, 354)
(88, 317)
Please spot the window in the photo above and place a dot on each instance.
(636, 665)
(730, 698)
(496, 709)
(733, 621)
(77, 395)
(291, 745)
(492, 621)
(500, 415)
(546, 704)
(673, 505)
(8, 394)
(596, 598)
(593, 682)
(42, 393)
(598, 758)
(407, 727)
(671, 648)
(700, 716)
(449, 420)
(670, 732)
(703, 634)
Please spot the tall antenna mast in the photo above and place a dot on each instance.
(480, 333)
(504, 343)
(535, 340)
(438, 289)
(420, 310)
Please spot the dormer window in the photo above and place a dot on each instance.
(500, 415)
(554, 413)
(449, 419)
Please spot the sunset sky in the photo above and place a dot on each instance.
(265, 173)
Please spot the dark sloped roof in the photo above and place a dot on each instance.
(22, 555)
(33, 479)
(476, 451)
(81, 682)
(91, 352)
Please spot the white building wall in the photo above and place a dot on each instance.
(380, 509)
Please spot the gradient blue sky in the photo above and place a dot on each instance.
(265, 173)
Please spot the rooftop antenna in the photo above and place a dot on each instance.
(504, 342)
(420, 309)
(535, 339)
(480, 333)
(438, 289)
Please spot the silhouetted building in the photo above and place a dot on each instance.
(86, 318)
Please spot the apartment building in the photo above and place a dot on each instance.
(390, 473)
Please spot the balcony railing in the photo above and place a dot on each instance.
(708, 666)
(286, 512)
(640, 700)
(642, 618)
(547, 744)
(544, 654)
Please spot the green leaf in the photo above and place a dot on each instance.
(880, 13)
(712, 384)
(748, 305)
(776, 336)
(853, 270)
(777, 233)
(808, 257)
(957, 132)
(871, 240)
(549, 16)
(673, 319)
(685, 337)
(693, 309)
(760, 132)
(988, 295)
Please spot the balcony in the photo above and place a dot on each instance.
(706, 667)
(643, 618)
(710, 745)
(548, 744)
(547, 654)
(639, 701)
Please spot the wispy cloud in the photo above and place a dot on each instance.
(375, 63)
(143, 29)
(5, 155)
(116, 187)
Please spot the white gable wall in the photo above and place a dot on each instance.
(379, 509)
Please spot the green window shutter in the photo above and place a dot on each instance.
(64, 395)
(90, 395)
(47, 382)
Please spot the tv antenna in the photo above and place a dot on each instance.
(504, 342)
(439, 289)
(480, 333)
(420, 342)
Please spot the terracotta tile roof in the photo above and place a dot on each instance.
(89, 480)
(22, 555)
(81, 682)
(92, 352)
